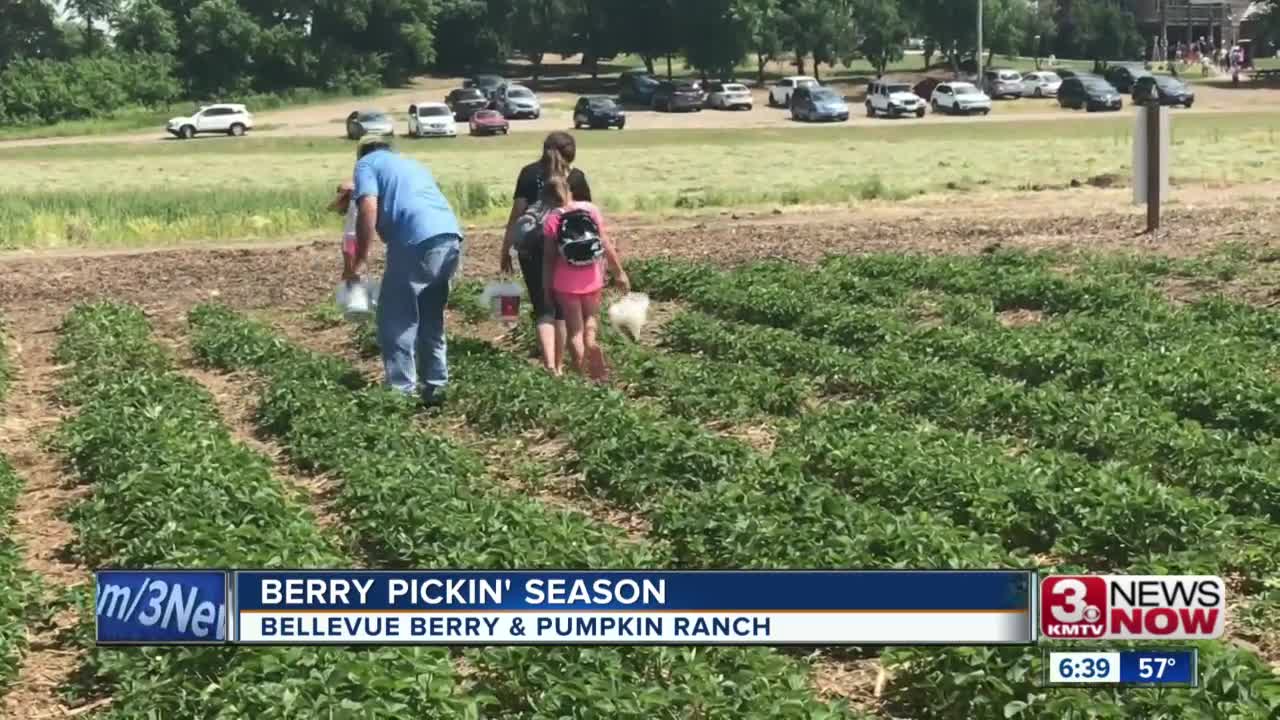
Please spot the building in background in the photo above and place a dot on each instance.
(1217, 21)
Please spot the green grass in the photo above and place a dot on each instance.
(172, 193)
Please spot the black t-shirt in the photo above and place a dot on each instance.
(529, 184)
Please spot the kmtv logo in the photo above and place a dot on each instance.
(1150, 607)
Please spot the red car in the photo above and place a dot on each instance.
(488, 122)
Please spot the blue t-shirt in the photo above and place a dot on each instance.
(411, 208)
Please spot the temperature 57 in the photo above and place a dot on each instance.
(1153, 668)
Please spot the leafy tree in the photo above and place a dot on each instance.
(651, 29)
(1041, 23)
(951, 24)
(92, 12)
(762, 22)
(478, 33)
(884, 32)
(822, 29)
(715, 38)
(28, 30)
(145, 26)
(225, 39)
(1104, 31)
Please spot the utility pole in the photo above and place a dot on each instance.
(978, 55)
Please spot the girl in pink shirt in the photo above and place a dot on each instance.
(573, 271)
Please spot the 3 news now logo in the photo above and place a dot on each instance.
(1115, 607)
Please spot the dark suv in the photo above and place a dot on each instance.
(817, 104)
(464, 102)
(597, 111)
(1124, 76)
(678, 96)
(637, 86)
(1170, 90)
(1090, 93)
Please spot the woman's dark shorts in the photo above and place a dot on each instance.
(531, 268)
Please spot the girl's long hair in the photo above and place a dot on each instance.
(558, 153)
(556, 193)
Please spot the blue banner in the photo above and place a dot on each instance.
(157, 607)
(1158, 667)
(694, 591)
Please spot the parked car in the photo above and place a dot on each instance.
(1171, 90)
(729, 96)
(231, 119)
(677, 96)
(1090, 93)
(432, 119)
(960, 98)
(485, 83)
(1041, 83)
(465, 101)
(598, 111)
(818, 103)
(893, 99)
(1064, 74)
(780, 93)
(1123, 76)
(369, 122)
(637, 86)
(924, 89)
(488, 122)
(517, 101)
(1000, 83)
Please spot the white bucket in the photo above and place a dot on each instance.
(630, 314)
(355, 300)
(503, 299)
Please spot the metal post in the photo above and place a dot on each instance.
(1153, 165)
(978, 57)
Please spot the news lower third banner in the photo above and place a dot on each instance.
(311, 607)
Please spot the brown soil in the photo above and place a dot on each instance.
(289, 279)
(30, 414)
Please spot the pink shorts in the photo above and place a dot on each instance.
(562, 298)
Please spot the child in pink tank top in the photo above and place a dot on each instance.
(573, 271)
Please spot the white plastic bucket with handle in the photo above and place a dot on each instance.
(503, 299)
(355, 300)
(630, 314)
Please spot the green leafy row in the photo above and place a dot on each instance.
(171, 487)
(423, 502)
(1104, 517)
(744, 520)
(1193, 370)
(713, 500)
(16, 595)
(1097, 424)
(691, 387)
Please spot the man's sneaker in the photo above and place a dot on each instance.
(433, 396)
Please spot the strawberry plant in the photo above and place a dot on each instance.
(172, 488)
(18, 597)
(416, 500)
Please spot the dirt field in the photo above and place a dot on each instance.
(41, 286)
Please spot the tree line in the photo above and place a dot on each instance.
(90, 61)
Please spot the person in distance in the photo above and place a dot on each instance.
(524, 235)
(398, 199)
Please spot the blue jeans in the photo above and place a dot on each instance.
(415, 288)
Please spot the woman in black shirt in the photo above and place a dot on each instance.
(558, 153)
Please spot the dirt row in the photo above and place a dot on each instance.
(295, 276)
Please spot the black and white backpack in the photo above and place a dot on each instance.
(579, 238)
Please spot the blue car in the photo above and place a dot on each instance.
(818, 104)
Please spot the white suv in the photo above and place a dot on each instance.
(893, 99)
(233, 120)
(780, 94)
(431, 119)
